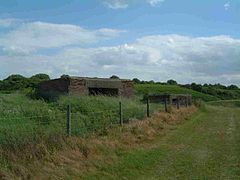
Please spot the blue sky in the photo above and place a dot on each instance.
(187, 40)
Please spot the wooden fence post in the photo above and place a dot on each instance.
(69, 120)
(165, 103)
(148, 110)
(190, 101)
(120, 114)
(178, 103)
(170, 100)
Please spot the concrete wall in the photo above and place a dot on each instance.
(80, 86)
(56, 85)
(104, 83)
(127, 89)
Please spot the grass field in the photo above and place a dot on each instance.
(169, 146)
(172, 89)
(162, 148)
(226, 103)
(207, 147)
(23, 120)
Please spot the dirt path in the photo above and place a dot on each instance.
(207, 147)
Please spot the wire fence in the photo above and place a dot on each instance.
(77, 123)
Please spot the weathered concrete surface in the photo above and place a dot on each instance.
(81, 86)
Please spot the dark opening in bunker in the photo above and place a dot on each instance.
(174, 101)
(103, 91)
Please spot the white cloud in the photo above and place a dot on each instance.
(159, 57)
(227, 6)
(116, 4)
(155, 2)
(123, 4)
(31, 36)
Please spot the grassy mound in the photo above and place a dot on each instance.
(157, 88)
(226, 103)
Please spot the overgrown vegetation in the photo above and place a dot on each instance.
(172, 89)
(23, 119)
(31, 118)
(26, 123)
(19, 82)
(30, 124)
(206, 92)
(217, 90)
(73, 157)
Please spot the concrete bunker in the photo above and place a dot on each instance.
(173, 99)
(103, 91)
(88, 86)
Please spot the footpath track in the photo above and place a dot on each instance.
(206, 147)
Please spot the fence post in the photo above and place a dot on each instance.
(148, 110)
(190, 101)
(170, 100)
(165, 103)
(69, 120)
(120, 113)
(178, 105)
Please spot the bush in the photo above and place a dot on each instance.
(19, 82)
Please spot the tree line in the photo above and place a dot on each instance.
(218, 90)
(194, 86)
(18, 82)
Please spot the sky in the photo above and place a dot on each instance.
(188, 40)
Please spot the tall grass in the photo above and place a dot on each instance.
(98, 112)
(23, 120)
(226, 103)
